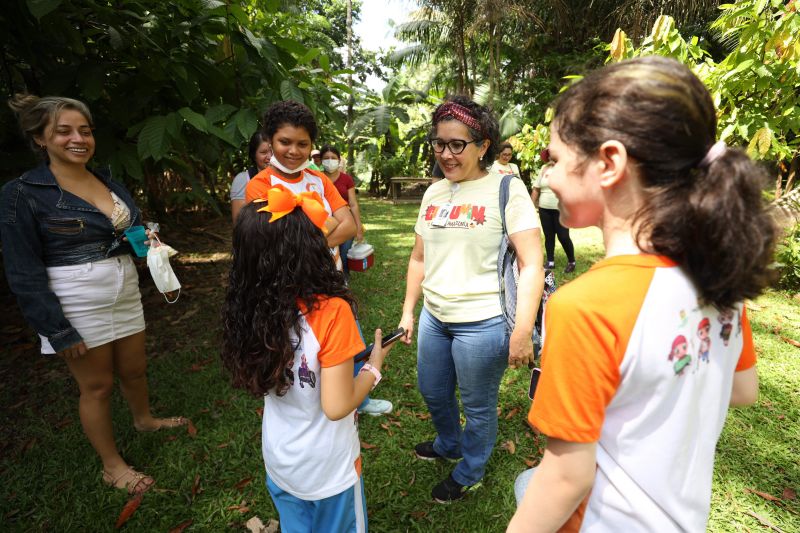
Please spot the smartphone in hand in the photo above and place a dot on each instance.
(385, 341)
(535, 374)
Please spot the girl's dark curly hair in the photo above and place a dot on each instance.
(291, 113)
(485, 117)
(276, 266)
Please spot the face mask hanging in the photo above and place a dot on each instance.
(161, 271)
(277, 164)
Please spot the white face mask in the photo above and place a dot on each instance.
(277, 164)
(330, 164)
(161, 271)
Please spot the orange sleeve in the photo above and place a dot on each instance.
(588, 324)
(258, 186)
(335, 199)
(337, 332)
(580, 372)
(748, 357)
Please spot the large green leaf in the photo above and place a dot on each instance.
(40, 8)
(153, 141)
(195, 119)
(290, 91)
(219, 113)
(246, 122)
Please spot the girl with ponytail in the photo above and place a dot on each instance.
(644, 353)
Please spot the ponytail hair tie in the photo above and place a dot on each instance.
(715, 152)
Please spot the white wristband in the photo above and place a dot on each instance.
(369, 368)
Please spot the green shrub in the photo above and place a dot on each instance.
(788, 260)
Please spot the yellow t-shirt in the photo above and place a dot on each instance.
(547, 198)
(460, 283)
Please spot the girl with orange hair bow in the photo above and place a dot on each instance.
(290, 336)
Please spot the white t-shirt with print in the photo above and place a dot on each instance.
(460, 283)
(305, 453)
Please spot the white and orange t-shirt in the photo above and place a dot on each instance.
(308, 181)
(633, 362)
(306, 454)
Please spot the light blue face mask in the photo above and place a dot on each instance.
(277, 164)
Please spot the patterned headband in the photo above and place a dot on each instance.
(460, 113)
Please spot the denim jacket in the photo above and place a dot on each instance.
(42, 225)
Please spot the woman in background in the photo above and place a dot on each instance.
(260, 153)
(547, 203)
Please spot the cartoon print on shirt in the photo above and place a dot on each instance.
(680, 354)
(704, 333)
(726, 319)
(306, 375)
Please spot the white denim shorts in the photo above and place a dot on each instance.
(101, 299)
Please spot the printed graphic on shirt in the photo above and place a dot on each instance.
(289, 373)
(314, 187)
(679, 355)
(726, 319)
(306, 375)
(704, 334)
(465, 216)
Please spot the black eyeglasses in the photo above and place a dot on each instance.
(456, 146)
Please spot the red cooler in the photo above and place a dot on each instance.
(360, 257)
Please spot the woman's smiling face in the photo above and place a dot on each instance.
(68, 139)
(463, 166)
(291, 145)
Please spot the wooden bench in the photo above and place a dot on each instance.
(397, 184)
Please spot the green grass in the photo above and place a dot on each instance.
(51, 477)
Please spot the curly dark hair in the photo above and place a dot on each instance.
(484, 116)
(275, 267)
(291, 113)
(709, 218)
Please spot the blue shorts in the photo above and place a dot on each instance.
(344, 512)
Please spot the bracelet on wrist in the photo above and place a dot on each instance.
(374, 371)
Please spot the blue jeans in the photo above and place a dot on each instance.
(472, 355)
(343, 249)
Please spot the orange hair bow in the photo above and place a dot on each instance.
(281, 201)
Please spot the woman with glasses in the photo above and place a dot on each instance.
(463, 338)
(503, 164)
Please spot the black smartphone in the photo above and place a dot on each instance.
(386, 340)
(535, 373)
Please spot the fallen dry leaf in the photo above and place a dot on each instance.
(200, 365)
(510, 446)
(243, 483)
(260, 411)
(793, 342)
(367, 446)
(195, 485)
(768, 497)
(789, 494)
(512, 413)
(64, 423)
(242, 508)
(190, 429)
(180, 527)
(764, 522)
(416, 515)
(407, 385)
(530, 462)
(128, 510)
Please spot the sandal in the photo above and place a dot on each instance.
(166, 423)
(134, 482)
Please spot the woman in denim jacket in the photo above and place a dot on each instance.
(70, 267)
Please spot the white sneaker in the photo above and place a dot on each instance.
(376, 407)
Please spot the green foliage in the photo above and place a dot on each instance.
(788, 260)
(178, 87)
(755, 87)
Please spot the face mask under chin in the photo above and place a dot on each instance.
(277, 164)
